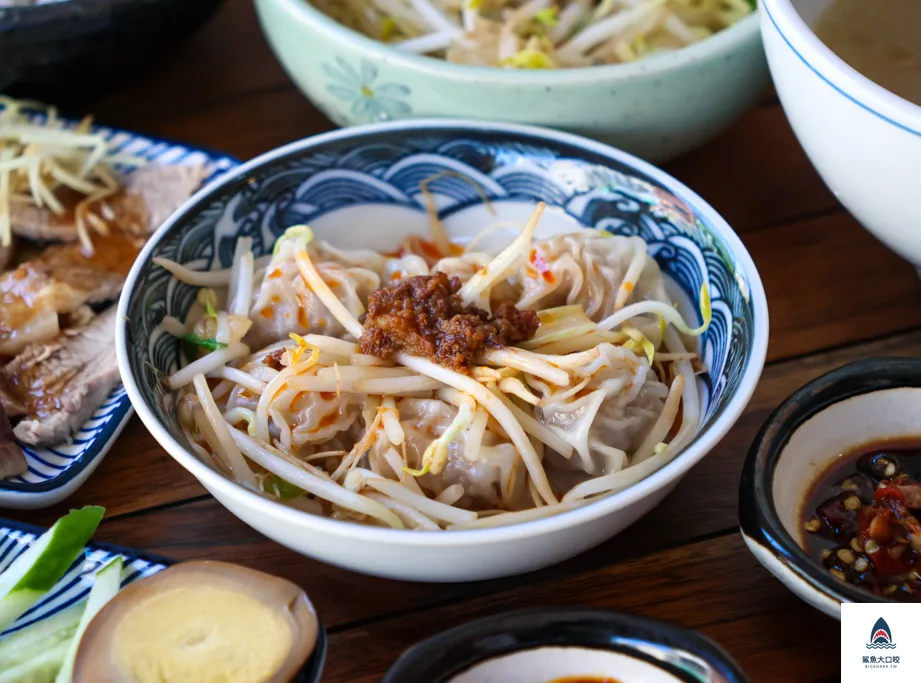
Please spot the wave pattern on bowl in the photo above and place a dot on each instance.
(600, 193)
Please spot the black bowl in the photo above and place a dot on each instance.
(686, 655)
(765, 534)
(70, 49)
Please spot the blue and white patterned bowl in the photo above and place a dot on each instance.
(361, 187)
(56, 472)
(75, 585)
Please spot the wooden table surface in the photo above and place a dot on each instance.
(835, 295)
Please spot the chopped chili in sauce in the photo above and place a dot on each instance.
(423, 316)
(863, 519)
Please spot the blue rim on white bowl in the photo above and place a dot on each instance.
(834, 71)
(380, 165)
(75, 585)
(56, 472)
(574, 641)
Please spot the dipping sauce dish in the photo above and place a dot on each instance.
(560, 645)
(859, 408)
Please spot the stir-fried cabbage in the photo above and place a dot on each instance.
(538, 34)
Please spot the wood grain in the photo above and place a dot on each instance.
(227, 59)
(829, 282)
(756, 174)
(836, 295)
(135, 475)
(715, 586)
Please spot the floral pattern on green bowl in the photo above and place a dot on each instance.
(368, 100)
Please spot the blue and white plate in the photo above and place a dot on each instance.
(15, 539)
(55, 473)
(74, 587)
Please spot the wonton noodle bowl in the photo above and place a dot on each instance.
(353, 441)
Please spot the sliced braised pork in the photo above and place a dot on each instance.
(58, 282)
(12, 461)
(62, 382)
(30, 301)
(150, 195)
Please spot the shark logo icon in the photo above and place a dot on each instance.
(881, 636)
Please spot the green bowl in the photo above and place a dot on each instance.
(656, 108)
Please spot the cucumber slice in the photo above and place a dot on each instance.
(107, 584)
(36, 571)
(35, 640)
(39, 669)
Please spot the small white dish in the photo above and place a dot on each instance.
(56, 472)
(864, 141)
(865, 402)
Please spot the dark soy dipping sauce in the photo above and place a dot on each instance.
(862, 521)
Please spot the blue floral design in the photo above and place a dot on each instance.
(370, 100)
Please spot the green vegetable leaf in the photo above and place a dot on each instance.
(209, 344)
(285, 490)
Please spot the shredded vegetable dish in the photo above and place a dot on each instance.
(437, 386)
(537, 34)
(46, 165)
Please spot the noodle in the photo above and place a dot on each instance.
(302, 475)
(229, 451)
(581, 408)
(207, 364)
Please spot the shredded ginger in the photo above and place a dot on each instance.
(40, 156)
(538, 34)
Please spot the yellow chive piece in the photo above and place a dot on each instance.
(299, 233)
(639, 339)
(529, 59)
(388, 28)
(303, 345)
(706, 311)
(418, 473)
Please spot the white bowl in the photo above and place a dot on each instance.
(864, 141)
(360, 187)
